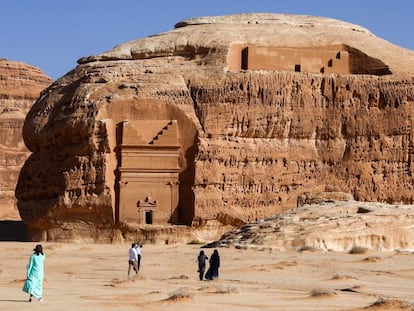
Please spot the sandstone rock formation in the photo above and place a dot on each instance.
(221, 121)
(20, 86)
(330, 226)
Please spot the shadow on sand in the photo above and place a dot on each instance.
(12, 230)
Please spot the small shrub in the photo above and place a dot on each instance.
(320, 292)
(307, 248)
(196, 242)
(227, 290)
(371, 259)
(390, 304)
(179, 297)
(358, 250)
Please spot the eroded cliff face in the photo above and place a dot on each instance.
(286, 134)
(251, 143)
(20, 86)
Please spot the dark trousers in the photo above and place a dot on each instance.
(201, 273)
(139, 261)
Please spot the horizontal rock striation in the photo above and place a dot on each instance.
(329, 226)
(20, 86)
(250, 142)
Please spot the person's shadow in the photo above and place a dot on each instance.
(12, 230)
(11, 300)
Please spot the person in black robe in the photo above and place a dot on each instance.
(213, 270)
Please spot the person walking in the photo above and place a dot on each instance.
(138, 248)
(35, 274)
(201, 264)
(213, 270)
(132, 260)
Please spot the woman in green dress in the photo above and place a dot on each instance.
(34, 282)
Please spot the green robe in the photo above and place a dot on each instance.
(34, 282)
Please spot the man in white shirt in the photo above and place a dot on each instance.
(132, 260)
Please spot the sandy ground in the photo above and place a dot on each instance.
(94, 277)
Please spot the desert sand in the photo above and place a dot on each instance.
(94, 277)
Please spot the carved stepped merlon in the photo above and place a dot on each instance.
(167, 136)
(338, 63)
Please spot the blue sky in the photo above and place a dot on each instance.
(53, 34)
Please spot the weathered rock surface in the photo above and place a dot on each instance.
(20, 86)
(258, 109)
(330, 226)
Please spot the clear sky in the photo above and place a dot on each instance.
(54, 34)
